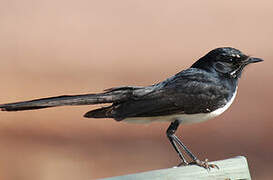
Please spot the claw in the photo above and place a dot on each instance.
(205, 164)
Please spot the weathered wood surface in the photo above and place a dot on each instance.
(229, 169)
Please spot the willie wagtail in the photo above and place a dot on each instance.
(201, 92)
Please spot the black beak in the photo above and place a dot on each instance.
(253, 60)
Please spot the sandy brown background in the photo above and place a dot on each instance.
(50, 48)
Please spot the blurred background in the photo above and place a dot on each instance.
(50, 48)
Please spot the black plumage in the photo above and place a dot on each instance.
(188, 92)
(206, 89)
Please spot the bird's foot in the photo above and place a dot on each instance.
(205, 164)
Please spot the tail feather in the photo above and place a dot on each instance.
(113, 95)
(104, 112)
(85, 99)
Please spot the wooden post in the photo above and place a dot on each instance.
(229, 169)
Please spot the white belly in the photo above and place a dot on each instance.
(183, 118)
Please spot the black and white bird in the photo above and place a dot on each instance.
(199, 93)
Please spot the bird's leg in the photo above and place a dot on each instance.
(170, 134)
(174, 141)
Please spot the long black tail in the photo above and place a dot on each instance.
(110, 96)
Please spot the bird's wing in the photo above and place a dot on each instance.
(187, 92)
(190, 91)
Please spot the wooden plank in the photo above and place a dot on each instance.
(229, 169)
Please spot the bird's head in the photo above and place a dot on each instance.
(227, 61)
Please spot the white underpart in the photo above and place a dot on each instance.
(183, 118)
